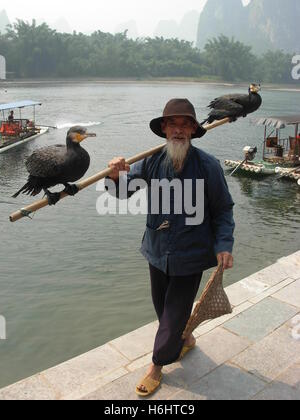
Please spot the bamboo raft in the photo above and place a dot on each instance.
(289, 174)
(258, 169)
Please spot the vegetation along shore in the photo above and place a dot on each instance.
(37, 51)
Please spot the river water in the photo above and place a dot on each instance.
(71, 280)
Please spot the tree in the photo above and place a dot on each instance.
(34, 51)
(276, 67)
(230, 59)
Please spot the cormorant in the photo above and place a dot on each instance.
(235, 105)
(58, 164)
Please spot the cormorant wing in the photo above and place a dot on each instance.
(226, 103)
(47, 162)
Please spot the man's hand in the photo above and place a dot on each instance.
(118, 165)
(226, 259)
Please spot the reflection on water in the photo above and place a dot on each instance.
(71, 280)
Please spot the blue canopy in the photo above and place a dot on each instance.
(21, 104)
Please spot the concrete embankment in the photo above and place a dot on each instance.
(254, 353)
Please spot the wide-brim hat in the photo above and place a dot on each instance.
(177, 108)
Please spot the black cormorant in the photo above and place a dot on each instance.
(235, 105)
(58, 164)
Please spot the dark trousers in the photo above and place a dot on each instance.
(173, 299)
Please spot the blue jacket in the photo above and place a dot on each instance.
(179, 249)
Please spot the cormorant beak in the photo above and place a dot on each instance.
(81, 137)
(90, 135)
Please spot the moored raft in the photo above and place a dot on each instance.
(281, 154)
(247, 167)
(288, 173)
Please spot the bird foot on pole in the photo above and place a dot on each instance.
(53, 198)
(71, 189)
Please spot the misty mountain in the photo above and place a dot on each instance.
(167, 29)
(263, 24)
(4, 21)
(185, 30)
(188, 26)
(221, 17)
(275, 23)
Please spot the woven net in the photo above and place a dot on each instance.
(213, 303)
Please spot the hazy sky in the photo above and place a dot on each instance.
(89, 15)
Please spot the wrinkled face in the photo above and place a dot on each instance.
(179, 129)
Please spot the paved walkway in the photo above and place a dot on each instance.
(252, 354)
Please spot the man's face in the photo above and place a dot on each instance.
(178, 129)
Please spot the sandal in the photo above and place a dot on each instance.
(185, 351)
(150, 384)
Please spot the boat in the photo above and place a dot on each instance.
(292, 174)
(281, 152)
(15, 132)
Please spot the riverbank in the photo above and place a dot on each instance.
(167, 80)
(254, 353)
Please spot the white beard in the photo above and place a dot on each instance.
(176, 154)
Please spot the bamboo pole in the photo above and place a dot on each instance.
(32, 208)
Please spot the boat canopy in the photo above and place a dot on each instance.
(278, 122)
(16, 105)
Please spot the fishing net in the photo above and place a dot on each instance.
(213, 303)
